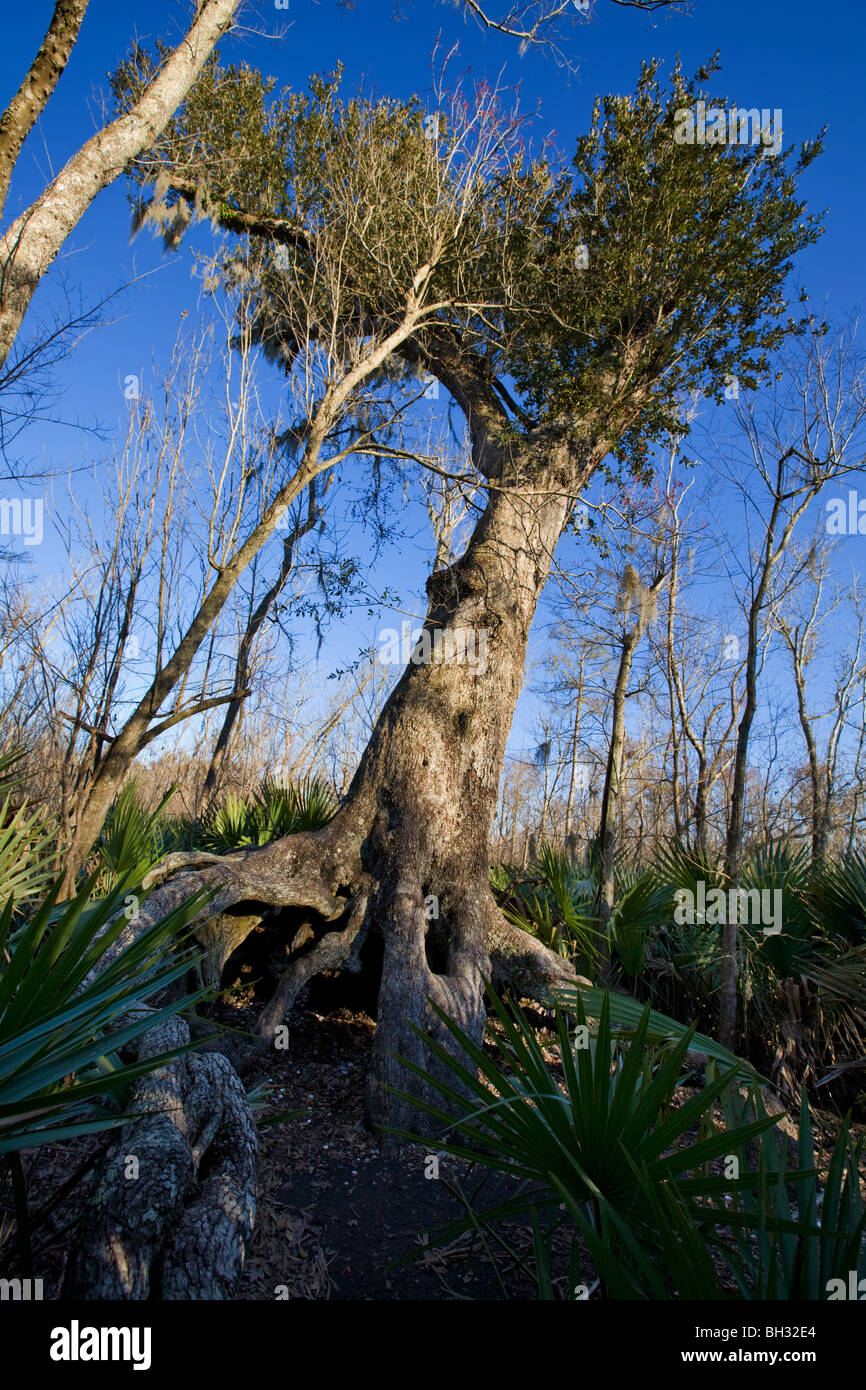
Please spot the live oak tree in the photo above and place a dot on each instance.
(566, 324)
(355, 877)
(357, 199)
(31, 243)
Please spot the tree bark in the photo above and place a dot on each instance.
(33, 95)
(174, 1204)
(407, 855)
(35, 238)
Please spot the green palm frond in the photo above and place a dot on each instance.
(626, 1013)
(69, 1001)
(779, 869)
(641, 903)
(27, 838)
(837, 898)
(315, 803)
(677, 866)
(133, 837)
(789, 1240)
(555, 903)
(602, 1150)
(231, 825)
(277, 809)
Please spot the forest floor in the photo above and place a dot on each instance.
(338, 1218)
(336, 1212)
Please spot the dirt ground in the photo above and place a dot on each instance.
(335, 1212)
(338, 1219)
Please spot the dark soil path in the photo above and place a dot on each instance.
(335, 1213)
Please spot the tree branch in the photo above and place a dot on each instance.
(33, 95)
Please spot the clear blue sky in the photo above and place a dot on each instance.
(791, 54)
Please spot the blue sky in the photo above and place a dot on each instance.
(790, 54)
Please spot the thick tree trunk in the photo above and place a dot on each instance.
(429, 784)
(407, 855)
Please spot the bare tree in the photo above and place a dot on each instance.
(801, 434)
(702, 702)
(637, 603)
(259, 609)
(802, 637)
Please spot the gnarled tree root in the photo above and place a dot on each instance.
(326, 872)
(333, 951)
(524, 963)
(174, 1204)
(322, 872)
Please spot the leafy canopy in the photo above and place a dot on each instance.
(600, 291)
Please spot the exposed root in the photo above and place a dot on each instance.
(524, 963)
(174, 1203)
(181, 859)
(331, 952)
(306, 871)
(204, 1255)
